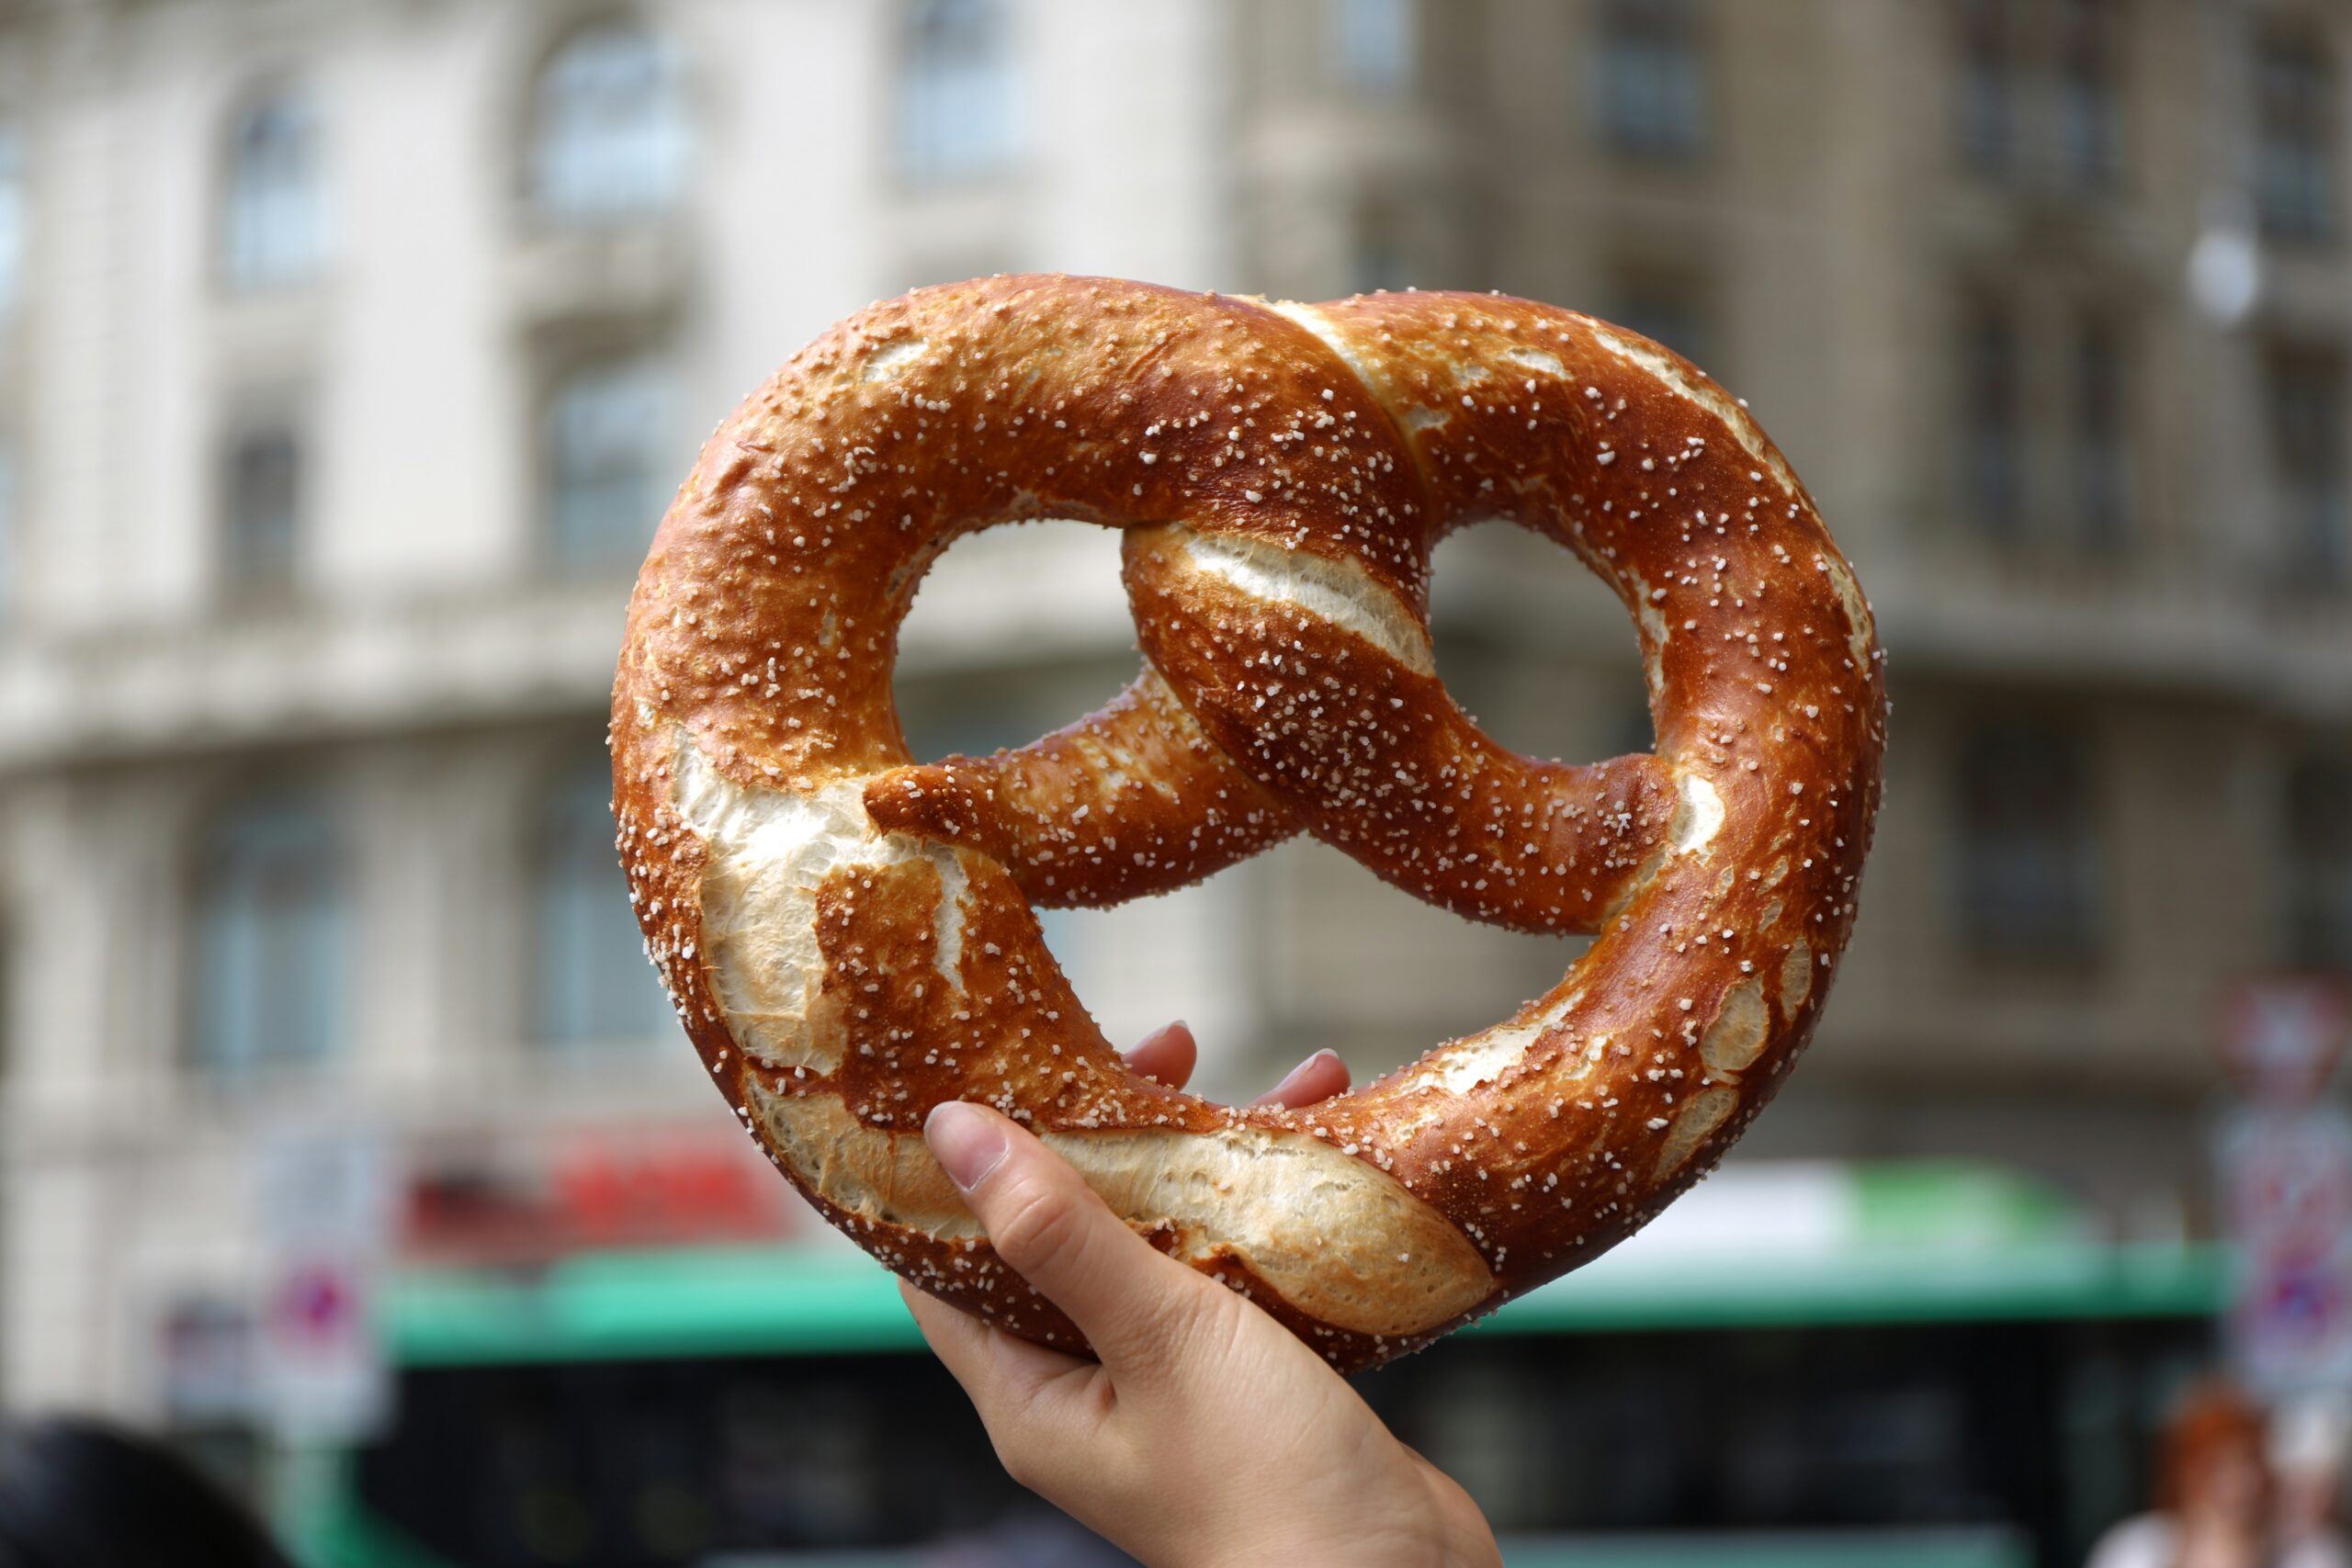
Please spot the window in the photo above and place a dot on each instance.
(261, 520)
(1988, 83)
(1652, 86)
(2089, 107)
(269, 942)
(608, 127)
(13, 222)
(2309, 458)
(2065, 479)
(2029, 857)
(2319, 864)
(1992, 458)
(609, 467)
(1374, 42)
(269, 231)
(2039, 89)
(2294, 158)
(593, 982)
(958, 109)
(2102, 436)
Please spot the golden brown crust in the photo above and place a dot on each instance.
(1129, 801)
(849, 936)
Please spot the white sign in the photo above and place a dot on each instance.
(323, 1200)
(2286, 1178)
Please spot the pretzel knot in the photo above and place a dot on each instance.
(849, 937)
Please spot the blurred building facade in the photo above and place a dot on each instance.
(2047, 299)
(348, 352)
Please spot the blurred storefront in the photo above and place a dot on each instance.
(350, 348)
(1903, 1366)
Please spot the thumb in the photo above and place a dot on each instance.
(1047, 1225)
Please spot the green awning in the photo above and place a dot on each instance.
(1856, 1549)
(1905, 1244)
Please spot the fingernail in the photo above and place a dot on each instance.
(1279, 1094)
(1301, 1070)
(967, 1142)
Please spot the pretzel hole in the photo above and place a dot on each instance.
(1438, 976)
(1535, 647)
(1015, 631)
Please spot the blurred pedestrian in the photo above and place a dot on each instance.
(79, 1494)
(2310, 1439)
(2213, 1494)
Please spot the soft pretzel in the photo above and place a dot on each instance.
(849, 936)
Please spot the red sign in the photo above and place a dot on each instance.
(521, 1202)
(317, 1304)
(2282, 1035)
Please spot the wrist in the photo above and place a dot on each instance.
(1440, 1527)
(1467, 1540)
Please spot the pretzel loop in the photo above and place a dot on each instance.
(849, 935)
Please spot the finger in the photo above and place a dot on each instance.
(1166, 1055)
(1317, 1079)
(1048, 1225)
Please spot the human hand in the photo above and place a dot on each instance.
(1207, 1435)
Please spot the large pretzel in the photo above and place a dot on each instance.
(849, 937)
